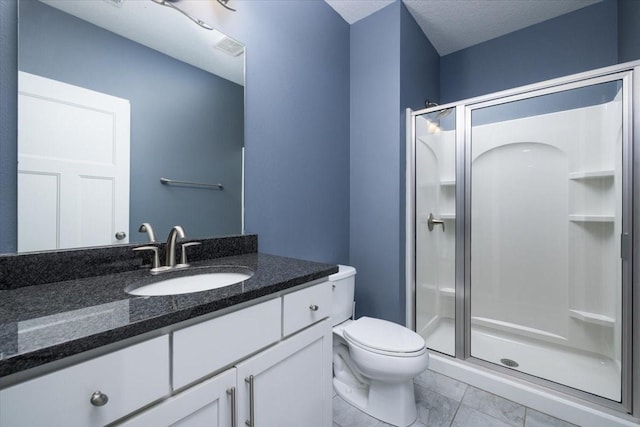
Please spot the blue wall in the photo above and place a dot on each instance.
(375, 163)
(297, 127)
(8, 125)
(628, 30)
(579, 41)
(393, 66)
(186, 124)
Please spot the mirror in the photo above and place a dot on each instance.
(113, 96)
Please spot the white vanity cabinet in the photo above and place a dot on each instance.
(268, 364)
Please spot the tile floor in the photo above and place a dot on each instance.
(445, 402)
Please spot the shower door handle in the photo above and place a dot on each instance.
(432, 222)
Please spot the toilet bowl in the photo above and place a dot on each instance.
(374, 361)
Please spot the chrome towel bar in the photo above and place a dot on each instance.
(167, 181)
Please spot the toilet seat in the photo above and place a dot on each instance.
(384, 337)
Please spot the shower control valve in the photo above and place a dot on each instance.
(432, 222)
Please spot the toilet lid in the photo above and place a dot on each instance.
(382, 335)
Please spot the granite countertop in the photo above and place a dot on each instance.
(44, 323)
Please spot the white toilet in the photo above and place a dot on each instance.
(374, 361)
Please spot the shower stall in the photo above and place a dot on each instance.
(520, 243)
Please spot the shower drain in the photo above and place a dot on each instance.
(510, 363)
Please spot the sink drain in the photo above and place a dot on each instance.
(510, 363)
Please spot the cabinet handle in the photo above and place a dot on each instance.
(313, 307)
(250, 421)
(232, 394)
(98, 398)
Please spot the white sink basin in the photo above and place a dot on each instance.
(195, 283)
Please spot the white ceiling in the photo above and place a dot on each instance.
(451, 25)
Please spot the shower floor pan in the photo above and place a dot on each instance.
(588, 372)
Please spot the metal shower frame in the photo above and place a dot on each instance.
(630, 241)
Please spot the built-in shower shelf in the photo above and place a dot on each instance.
(448, 216)
(447, 182)
(608, 173)
(596, 319)
(592, 218)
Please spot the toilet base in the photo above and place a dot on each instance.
(393, 403)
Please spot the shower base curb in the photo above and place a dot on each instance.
(530, 395)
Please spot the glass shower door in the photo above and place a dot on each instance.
(546, 221)
(435, 185)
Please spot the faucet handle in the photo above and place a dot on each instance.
(156, 258)
(183, 256)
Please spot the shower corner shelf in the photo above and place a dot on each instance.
(447, 182)
(595, 174)
(596, 319)
(592, 218)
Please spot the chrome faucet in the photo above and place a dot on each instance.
(170, 248)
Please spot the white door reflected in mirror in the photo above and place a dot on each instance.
(73, 166)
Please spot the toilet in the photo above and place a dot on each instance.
(374, 360)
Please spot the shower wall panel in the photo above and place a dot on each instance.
(545, 184)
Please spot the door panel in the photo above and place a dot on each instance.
(546, 219)
(82, 137)
(435, 229)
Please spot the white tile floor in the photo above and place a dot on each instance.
(444, 402)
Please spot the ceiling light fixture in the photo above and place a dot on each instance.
(169, 4)
(224, 4)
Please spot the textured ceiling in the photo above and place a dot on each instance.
(452, 25)
(355, 10)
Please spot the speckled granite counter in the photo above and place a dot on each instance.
(43, 323)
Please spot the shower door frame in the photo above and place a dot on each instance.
(630, 242)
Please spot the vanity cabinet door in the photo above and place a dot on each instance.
(289, 384)
(208, 404)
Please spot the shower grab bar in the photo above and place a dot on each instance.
(167, 181)
(432, 222)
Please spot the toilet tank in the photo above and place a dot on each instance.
(343, 284)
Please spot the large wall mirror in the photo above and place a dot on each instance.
(115, 95)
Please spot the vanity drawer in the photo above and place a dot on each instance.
(305, 307)
(204, 348)
(130, 378)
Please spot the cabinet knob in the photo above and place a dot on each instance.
(121, 235)
(98, 398)
(313, 307)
